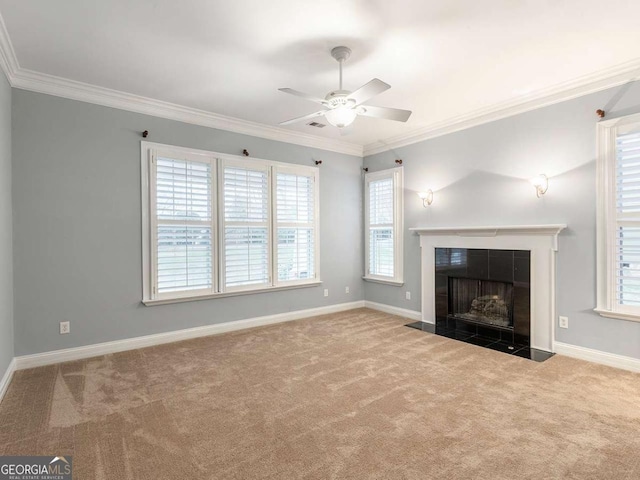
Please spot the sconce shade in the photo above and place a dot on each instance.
(541, 184)
(427, 197)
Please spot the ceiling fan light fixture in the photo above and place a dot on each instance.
(341, 116)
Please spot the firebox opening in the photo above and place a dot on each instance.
(484, 302)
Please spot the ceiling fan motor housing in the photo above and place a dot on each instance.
(338, 98)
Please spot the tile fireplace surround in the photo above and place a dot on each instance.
(540, 240)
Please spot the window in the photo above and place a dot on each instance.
(619, 218)
(295, 224)
(245, 193)
(383, 218)
(183, 226)
(216, 225)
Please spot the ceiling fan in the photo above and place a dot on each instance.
(341, 107)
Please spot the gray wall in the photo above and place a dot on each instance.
(76, 219)
(77, 224)
(6, 255)
(480, 177)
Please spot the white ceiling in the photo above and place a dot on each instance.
(443, 59)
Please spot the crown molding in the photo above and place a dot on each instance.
(601, 80)
(62, 87)
(8, 59)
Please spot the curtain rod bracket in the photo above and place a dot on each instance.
(600, 113)
(145, 134)
(245, 153)
(318, 162)
(399, 162)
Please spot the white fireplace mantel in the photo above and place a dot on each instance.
(493, 231)
(540, 240)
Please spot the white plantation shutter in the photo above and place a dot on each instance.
(183, 224)
(216, 225)
(626, 243)
(383, 202)
(295, 224)
(381, 256)
(246, 235)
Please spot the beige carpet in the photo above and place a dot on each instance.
(346, 396)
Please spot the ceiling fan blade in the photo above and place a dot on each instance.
(306, 117)
(303, 95)
(369, 90)
(385, 112)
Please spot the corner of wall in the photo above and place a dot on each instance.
(7, 321)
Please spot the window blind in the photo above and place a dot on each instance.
(295, 224)
(627, 232)
(246, 226)
(381, 227)
(215, 224)
(184, 220)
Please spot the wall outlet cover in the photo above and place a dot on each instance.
(563, 322)
(326, 292)
(65, 327)
(407, 295)
(346, 289)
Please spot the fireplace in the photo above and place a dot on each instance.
(484, 293)
(523, 256)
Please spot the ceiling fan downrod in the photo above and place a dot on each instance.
(341, 54)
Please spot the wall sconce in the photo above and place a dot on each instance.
(541, 184)
(427, 198)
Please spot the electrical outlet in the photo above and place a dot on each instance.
(346, 289)
(563, 322)
(65, 327)
(407, 295)
(326, 292)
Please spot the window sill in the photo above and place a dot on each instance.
(618, 315)
(385, 282)
(165, 301)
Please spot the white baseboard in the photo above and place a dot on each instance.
(6, 378)
(598, 356)
(403, 312)
(78, 353)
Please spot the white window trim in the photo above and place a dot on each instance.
(606, 219)
(398, 226)
(148, 150)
